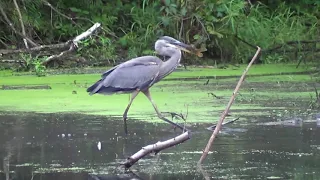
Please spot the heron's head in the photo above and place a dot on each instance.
(167, 46)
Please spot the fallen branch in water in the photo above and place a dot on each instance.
(212, 128)
(156, 148)
(224, 114)
(212, 94)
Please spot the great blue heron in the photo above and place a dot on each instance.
(139, 74)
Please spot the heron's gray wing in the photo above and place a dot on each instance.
(109, 71)
(137, 73)
(132, 62)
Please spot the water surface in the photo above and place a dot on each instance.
(64, 146)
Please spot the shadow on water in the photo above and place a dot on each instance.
(64, 146)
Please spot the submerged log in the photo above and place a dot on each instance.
(156, 148)
(213, 127)
(25, 87)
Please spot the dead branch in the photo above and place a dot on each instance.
(73, 44)
(212, 128)
(56, 56)
(35, 49)
(69, 45)
(232, 98)
(63, 15)
(10, 61)
(21, 23)
(206, 176)
(4, 44)
(244, 41)
(213, 95)
(155, 148)
(291, 43)
(281, 45)
(14, 29)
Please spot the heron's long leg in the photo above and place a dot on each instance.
(133, 95)
(147, 93)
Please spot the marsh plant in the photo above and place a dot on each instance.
(34, 64)
(131, 27)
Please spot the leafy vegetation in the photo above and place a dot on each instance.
(131, 27)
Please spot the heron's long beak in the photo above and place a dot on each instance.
(187, 48)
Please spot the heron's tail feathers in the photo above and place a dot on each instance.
(95, 87)
(99, 88)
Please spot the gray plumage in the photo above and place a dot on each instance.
(139, 74)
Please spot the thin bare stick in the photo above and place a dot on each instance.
(206, 176)
(34, 49)
(224, 114)
(21, 23)
(4, 44)
(63, 15)
(13, 28)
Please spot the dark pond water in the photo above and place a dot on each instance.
(64, 146)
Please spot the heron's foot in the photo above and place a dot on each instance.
(175, 125)
(173, 115)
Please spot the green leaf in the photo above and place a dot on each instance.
(167, 2)
(183, 11)
(165, 20)
(173, 5)
(85, 12)
(196, 37)
(73, 9)
(173, 10)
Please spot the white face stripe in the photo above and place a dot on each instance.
(171, 45)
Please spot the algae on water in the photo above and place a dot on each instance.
(68, 93)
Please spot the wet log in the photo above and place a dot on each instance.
(22, 87)
(156, 148)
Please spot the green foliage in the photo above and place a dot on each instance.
(131, 27)
(34, 64)
(39, 68)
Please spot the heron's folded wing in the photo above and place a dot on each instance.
(139, 74)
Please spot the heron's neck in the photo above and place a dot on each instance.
(170, 65)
